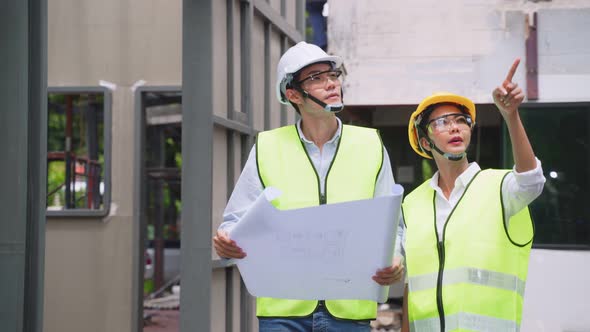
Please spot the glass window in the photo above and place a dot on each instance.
(77, 151)
(560, 135)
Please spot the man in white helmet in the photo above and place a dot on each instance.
(316, 161)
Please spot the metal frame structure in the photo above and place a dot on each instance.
(108, 124)
(140, 200)
(197, 105)
(22, 243)
(234, 128)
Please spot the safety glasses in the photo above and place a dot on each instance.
(320, 79)
(444, 123)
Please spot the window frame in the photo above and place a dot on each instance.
(107, 125)
(530, 106)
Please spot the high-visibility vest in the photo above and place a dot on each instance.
(473, 278)
(283, 163)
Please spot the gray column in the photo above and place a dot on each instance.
(23, 129)
(197, 155)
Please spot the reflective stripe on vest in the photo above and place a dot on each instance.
(480, 265)
(283, 163)
(471, 276)
(465, 321)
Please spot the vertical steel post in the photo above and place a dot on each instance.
(70, 178)
(246, 21)
(532, 58)
(197, 169)
(230, 136)
(267, 70)
(23, 129)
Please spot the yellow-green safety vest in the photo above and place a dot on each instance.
(472, 279)
(283, 163)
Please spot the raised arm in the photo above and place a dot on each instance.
(508, 98)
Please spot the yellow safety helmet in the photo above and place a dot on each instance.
(439, 97)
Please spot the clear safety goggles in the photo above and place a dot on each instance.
(317, 80)
(447, 121)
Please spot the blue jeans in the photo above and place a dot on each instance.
(319, 321)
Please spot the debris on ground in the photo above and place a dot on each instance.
(389, 318)
(167, 302)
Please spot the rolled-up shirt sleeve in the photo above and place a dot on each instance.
(385, 182)
(521, 189)
(245, 193)
(384, 186)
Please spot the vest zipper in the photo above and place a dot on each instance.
(322, 198)
(439, 303)
(440, 246)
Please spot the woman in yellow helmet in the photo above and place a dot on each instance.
(468, 231)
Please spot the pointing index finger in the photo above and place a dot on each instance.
(512, 70)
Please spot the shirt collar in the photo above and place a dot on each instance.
(332, 140)
(463, 179)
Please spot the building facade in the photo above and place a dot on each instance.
(115, 77)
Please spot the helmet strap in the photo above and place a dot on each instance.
(333, 108)
(446, 155)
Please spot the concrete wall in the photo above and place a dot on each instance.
(564, 54)
(398, 52)
(557, 289)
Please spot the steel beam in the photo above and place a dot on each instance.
(23, 129)
(278, 21)
(197, 164)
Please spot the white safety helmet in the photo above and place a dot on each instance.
(297, 57)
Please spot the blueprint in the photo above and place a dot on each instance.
(323, 252)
